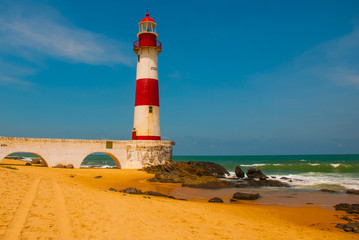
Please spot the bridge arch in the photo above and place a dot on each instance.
(25, 152)
(102, 153)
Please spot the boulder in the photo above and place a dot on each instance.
(239, 172)
(97, 177)
(349, 227)
(28, 164)
(246, 196)
(352, 191)
(327, 190)
(112, 189)
(157, 194)
(262, 183)
(215, 200)
(206, 182)
(255, 173)
(60, 166)
(69, 166)
(190, 168)
(190, 174)
(131, 191)
(349, 208)
(35, 161)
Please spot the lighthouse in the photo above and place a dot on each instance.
(146, 124)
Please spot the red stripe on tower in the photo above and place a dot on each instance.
(147, 92)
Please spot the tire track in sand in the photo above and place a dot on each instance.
(62, 217)
(18, 222)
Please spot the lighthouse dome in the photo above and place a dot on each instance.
(147, 18)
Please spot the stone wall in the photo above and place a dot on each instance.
(131, 154)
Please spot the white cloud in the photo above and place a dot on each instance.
(11, 80)
(52, 36)
(34, 33)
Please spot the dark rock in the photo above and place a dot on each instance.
(255, 173)
(352, 191)
(191, 168)
(60, 166)
(346, 218)
(206, 182)
(351, 227)
(349, 208)
(97, 177)
(112, 189)
(309, 203)
(340, 225)
(239, 172)
(69, 166)
(131, 191)
(246, 196)
(215, 200)
(157, 194)
(327, 190)
(285, 178)
(72, 175)
(28, 164)
(190, 174)
(35, 161)
(262, 183)
(233, 200)
(273, 177)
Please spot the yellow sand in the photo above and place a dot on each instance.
(46, 203)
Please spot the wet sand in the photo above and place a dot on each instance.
(48, 203)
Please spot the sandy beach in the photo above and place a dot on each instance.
(49, 203)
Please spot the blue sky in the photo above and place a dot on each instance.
(236, 77)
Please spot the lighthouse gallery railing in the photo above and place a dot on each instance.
(142, 43)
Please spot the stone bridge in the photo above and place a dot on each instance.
(126, 154)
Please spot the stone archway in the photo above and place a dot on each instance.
(23, 154)
(101, 159)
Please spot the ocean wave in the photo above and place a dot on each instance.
(254, 165)
(316, 181)
(335, 165)
(319, 180)
(97, 166)
(303, 167)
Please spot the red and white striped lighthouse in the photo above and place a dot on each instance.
(146, 125)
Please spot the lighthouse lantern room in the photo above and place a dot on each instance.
(146, 124)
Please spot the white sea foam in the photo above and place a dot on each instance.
(314, 164)
(254, 165)
(97, 166)
(335, 165)
(314, 180)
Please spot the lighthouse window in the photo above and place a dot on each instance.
(138, 57)
(150, 109)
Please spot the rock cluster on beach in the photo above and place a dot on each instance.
(191, 174)
(353, 210)
(256, 178)
(206, 174)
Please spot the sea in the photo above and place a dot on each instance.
(337, 172)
